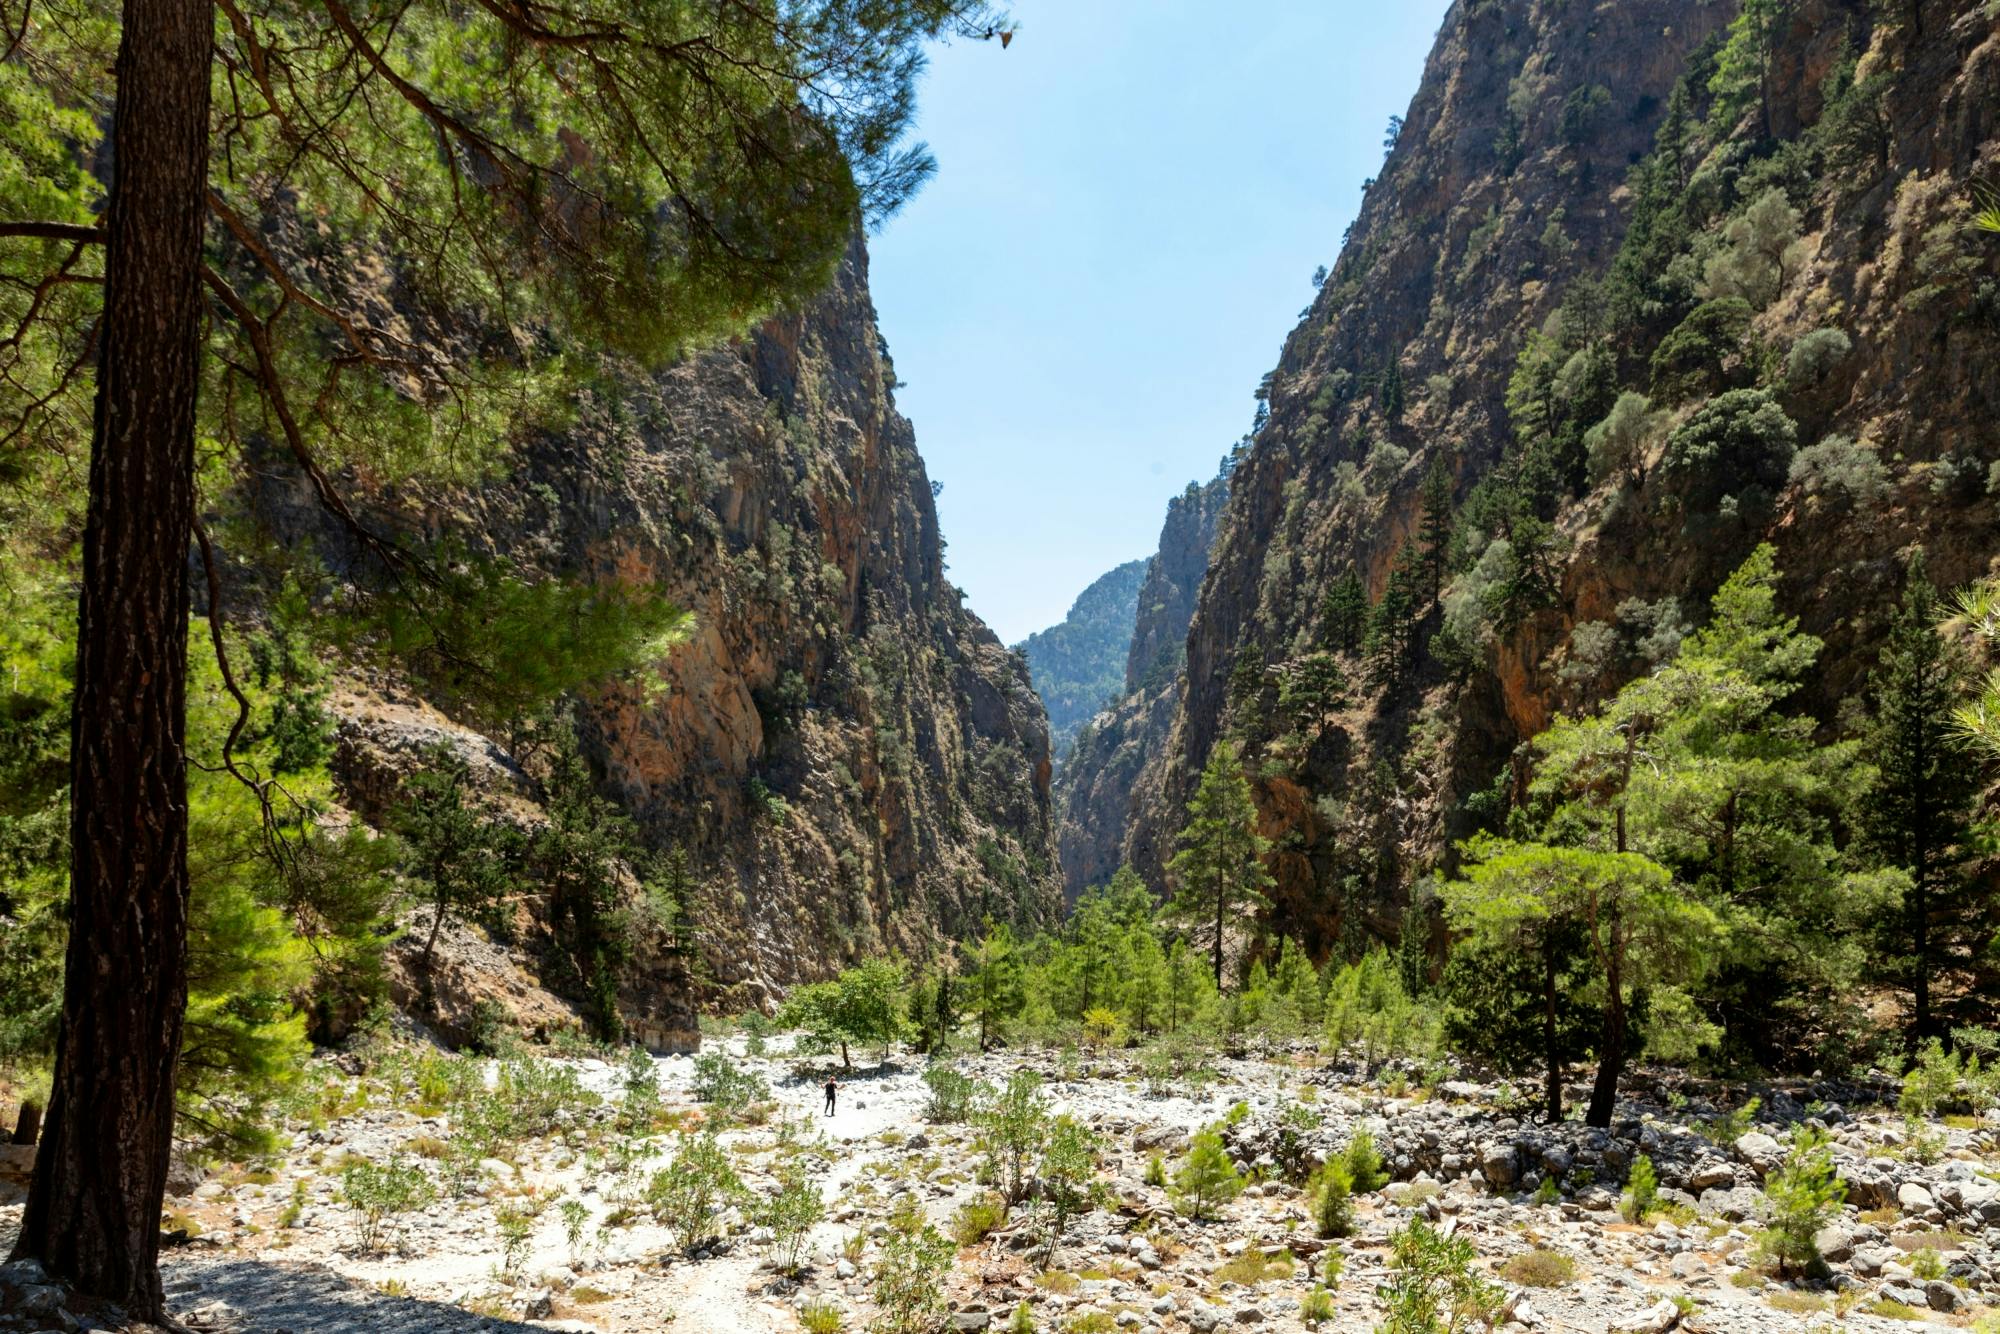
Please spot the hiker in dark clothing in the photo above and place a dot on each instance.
(832, 1086)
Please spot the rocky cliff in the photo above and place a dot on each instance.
(1078, 666)
(850, 760)
(1118, 752)
(1761, 227)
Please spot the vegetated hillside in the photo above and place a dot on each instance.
(1079, 665)
(849, 759)
(1118, 751)
(1771, 244)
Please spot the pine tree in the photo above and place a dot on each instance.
(1344, 614)
(1923, 795)
(1434, 527)
(1392, 627)
(467, 858)
(1189, 986)
(1220, 869)
(995, 988)
(1207, 1180)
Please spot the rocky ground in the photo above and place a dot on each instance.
(275, 1246)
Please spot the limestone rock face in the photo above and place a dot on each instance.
(1119, 753)
(851, 761)
(1497, 217)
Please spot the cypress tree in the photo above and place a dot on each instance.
(1435, 524)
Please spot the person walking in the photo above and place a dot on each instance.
(832, 1087)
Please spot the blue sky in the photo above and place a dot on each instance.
(1130, 204)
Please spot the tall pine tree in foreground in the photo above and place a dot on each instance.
(536, 182)
(1219, 874)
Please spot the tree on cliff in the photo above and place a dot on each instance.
(1219, 873)
(520, 183)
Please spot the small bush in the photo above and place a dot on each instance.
(822, 1317)
(909, 1282)
(1255, 1266)
(723, 1084)
(1540, 1268)
(977, 1218)
(1642, 1191)
(1207, 1180)
(951, 1094)
(1433, 1287)
(1841, 472)
(1801, 1198)
(1363, 1163)
(1333, 1207)
(1815, 356)
(1156, 1171)
(791, 1214)
(381, 1195)
(687, 1195)
(1316, 1307)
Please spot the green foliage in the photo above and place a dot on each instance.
(1344, 614)
(1366, 1003)
(1316, 1307)
(1333, 1201)
(862, 1006)
(1739, 441)
(1433, 1286)
(724, 1084)
(1362, 1163)
(1015, 1127)
(1207, 1180)
(640, 1084)
(952, 1093)
(1705, 353)
(1068, 1176)
(1219, 873)
(977, 1218)
(468, 859)
(1801, 1198)
(791, 1213)
(1642, 1191)
(688, 1195)
(1760, 252)
(909, 1281)
(380, 1195)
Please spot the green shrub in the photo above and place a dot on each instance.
(951, 1094)
(909, 1281)
(1642, 1191)
(1156, 1171)
(1316, 1307)
(1333, 1206)
(1068, 1175)
(380, 1196)
(1433, 1288)
(725, 1085)
(1732, 443)
(791, 1214)
(1364, 1165)
(1207, 1180)
(822, 1317)
(1801, 1198)
(516, 1227)
(687, 1195)
(1016, 1126)
(977, 1218)
(641, 1085)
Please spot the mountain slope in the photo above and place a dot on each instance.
(849, 759)
(1079, 665)
(1510, 274)
(1120, 751)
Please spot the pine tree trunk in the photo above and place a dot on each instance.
(93, 1210)
(1550, 1050)
(1611, 1044)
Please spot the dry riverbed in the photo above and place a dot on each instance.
(551, 1230)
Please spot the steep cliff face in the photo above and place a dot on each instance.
(1078, 666)
(850, 759)
(1520, 262)
(1118, 753)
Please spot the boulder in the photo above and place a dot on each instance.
(1914, 1199)
(1763, 1153)
(1498, 1164)
(1658, 1318)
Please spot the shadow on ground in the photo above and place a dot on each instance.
(266, 1297)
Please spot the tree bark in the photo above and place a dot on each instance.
(1550, 1051)
(93, 1209)
(1611, 1045)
